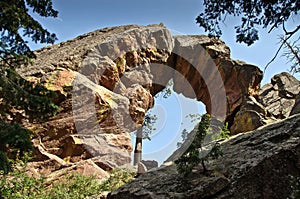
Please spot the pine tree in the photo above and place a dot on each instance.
(19, 99)
(196, 153)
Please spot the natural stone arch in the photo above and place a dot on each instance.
(104, 102)
(134, 64)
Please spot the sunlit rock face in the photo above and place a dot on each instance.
(280, 96)
(105, 82)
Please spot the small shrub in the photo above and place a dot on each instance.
(74, 186)
(18, 185)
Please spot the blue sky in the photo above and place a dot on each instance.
(77, 17)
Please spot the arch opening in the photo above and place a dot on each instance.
(172, 111)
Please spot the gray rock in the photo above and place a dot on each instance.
(141, 169)
(256, 164)
(150, 164)
(296, 108)
(279, 96)
(216, 80)
(106, 80)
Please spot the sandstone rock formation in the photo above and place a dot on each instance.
(276, 100)
(105, 82)
(250, 115)
(280, 95)
(256, 164)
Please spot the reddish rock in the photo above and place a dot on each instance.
(115, 72)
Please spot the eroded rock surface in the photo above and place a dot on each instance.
(105, 82)
(280, 95)
(257, 164)
(275, 101)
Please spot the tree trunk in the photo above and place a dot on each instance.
(138, 146)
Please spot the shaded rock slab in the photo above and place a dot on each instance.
(250, 115)
(256, 164)
(150, 164)
(296, 108)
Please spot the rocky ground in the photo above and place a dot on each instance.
(256, 164)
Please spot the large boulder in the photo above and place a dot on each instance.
(279, 96)
(256, 164)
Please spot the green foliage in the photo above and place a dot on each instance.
(73, 186)
(5, 165)
(148, 126)
(16, 20)
(224, 132)
(20, 99)
(20, 94)
(15, 141)
(118, 178)
(19, 185)
(254, 14)
(198, 153)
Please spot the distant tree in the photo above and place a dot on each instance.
(254, 14)
(184, 136)
(20, 99)
(167, 91)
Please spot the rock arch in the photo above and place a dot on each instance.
(113, 74)
(137, 63)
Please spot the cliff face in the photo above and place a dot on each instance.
(256, 164)
(105, 82)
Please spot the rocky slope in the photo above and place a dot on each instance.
(256, 164)
(105, 82)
